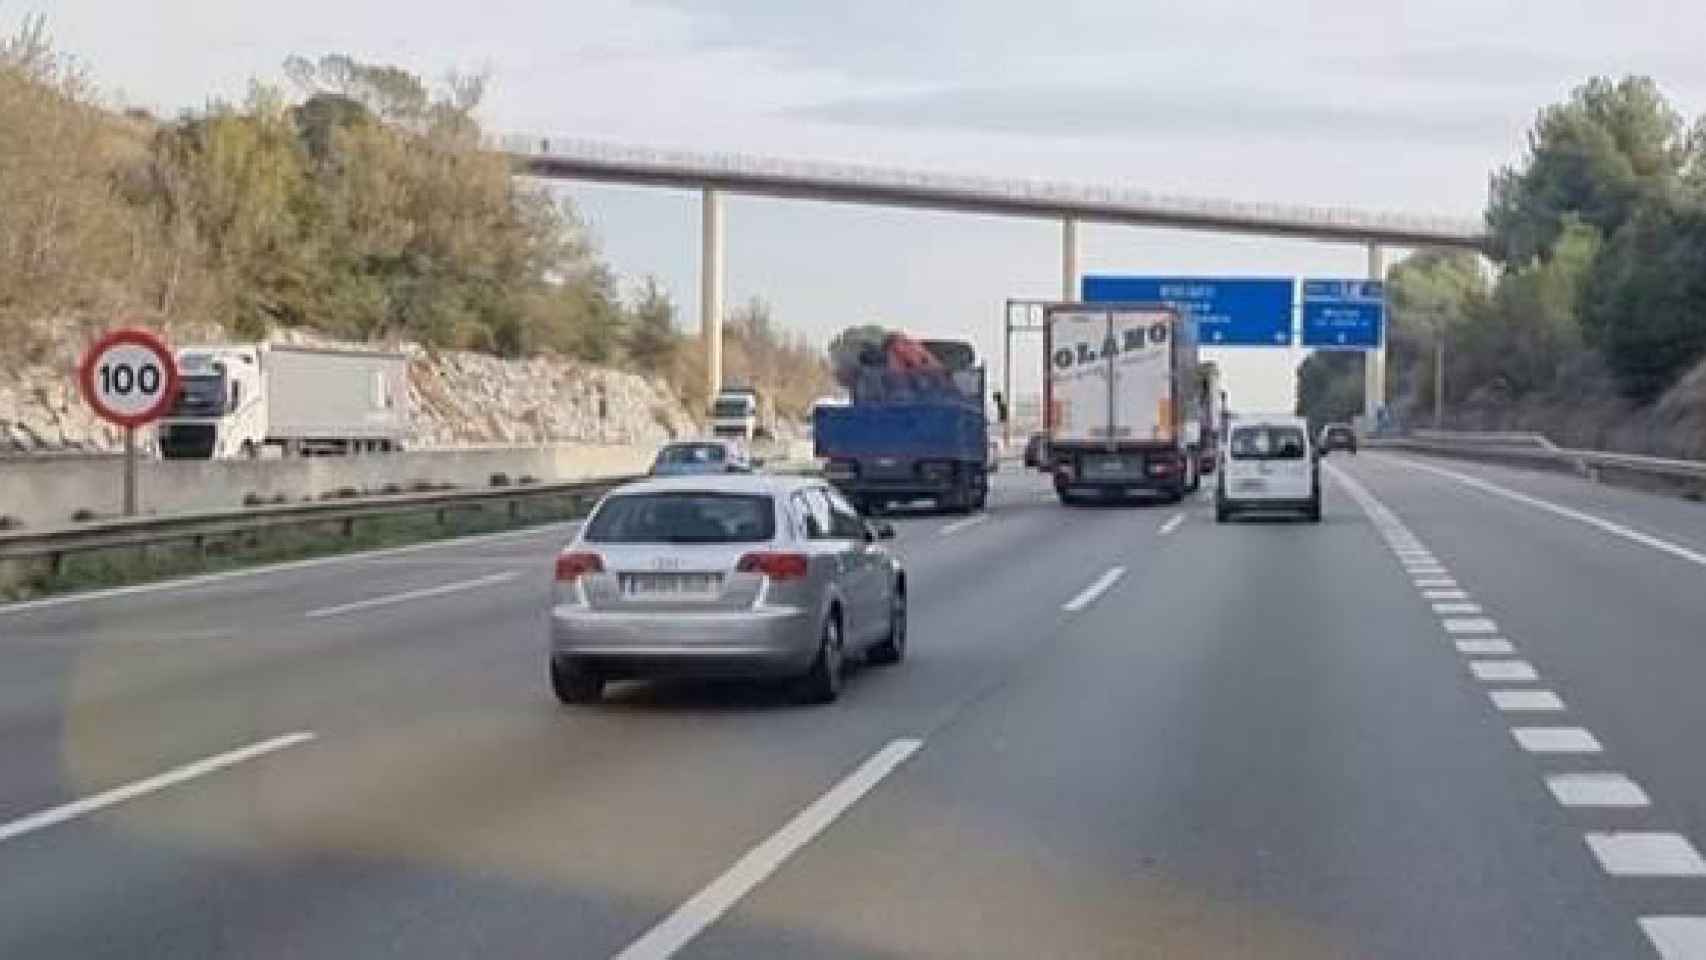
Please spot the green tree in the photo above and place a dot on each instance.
(1597, 156)
(652, 337)
(1329, 386)
(1645, 300)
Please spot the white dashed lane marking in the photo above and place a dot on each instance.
(1677, 938)
(1445, 594)
(1470, 625)
(1496, 645)
(1556, 740)
(1526, 701)
(1508, 671)
(1457, 608)
(1646, 853)
(1094, 590)
(1437, 582)
(1596, 790)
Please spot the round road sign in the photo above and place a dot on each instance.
(128, 377)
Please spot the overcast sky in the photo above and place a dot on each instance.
(1396, 105)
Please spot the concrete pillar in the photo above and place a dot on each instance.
(1374, 364)
(1069, 259)
(711, 288)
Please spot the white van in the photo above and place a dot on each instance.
(1268, 464)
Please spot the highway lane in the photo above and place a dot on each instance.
(1143, 735)
(1264, 747)
(444, 772)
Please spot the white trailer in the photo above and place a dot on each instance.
(236, 400)
(1118, 381)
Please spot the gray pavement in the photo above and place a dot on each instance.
(1254, 740)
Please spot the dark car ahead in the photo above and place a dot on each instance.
(1338, 436)
(695, 457)
(1036, 455)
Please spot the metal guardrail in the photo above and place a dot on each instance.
(1536, 448)
(53, 545)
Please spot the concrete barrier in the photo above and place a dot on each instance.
(45, 493)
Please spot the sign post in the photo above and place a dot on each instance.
(129, 378)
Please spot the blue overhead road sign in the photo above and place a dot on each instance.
(1343, 314)
(1229, 311)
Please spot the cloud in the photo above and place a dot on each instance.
(1141, 113)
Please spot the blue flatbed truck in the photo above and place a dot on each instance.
(905, 438)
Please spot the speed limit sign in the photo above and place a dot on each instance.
(129, 377)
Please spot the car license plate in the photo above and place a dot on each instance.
(670, 586)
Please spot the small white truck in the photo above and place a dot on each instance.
(237, 400)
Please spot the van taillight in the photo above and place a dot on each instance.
(570, 566)
(776, 566)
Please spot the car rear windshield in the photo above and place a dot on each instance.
(692, 453)
(686, 517)
(1268, 443)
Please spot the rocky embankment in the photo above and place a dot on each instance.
(459, 399)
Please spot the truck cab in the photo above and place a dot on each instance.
(220, 410)
(735, 415)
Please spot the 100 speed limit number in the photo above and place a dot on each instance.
(128, 377)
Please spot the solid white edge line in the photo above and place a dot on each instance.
(260, 570)
(395, 598)
(1172, 523)
(959, 525)
(1089, 594)
(158, 782)
(710, 903)
(1600, 523)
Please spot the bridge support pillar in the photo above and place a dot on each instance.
(1069, 258)
(711, 289)
(1374, 361)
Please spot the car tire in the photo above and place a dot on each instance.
(575, 685)
(892, 649)
(1066, 499)
(822, 683)
(1312, 513)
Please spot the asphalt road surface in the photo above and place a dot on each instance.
(1462, 717)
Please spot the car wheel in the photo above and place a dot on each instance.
(822, 683)
(573, 684)
(893, 648)
(1312, 513)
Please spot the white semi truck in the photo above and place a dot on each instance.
(1118, 386)
(237, 400)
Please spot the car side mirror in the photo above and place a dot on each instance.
(879, 530)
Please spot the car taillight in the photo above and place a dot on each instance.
(570, 566)
(776, 566)
(1160, 468)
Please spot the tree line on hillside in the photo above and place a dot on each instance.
(364, 207)
(1598, 235)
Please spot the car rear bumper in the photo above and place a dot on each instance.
(749, 642)
(1276, 504)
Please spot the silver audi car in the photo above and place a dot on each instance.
(724, 575)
